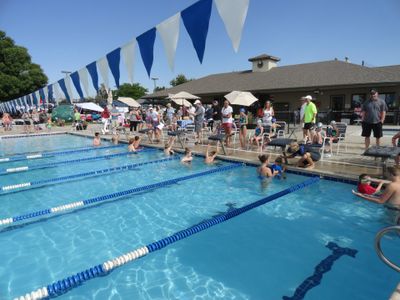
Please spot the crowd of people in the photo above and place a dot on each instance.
(31, 118)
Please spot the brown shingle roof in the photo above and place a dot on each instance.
(311, 75)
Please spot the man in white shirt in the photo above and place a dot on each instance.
(227, 121)
(302, 109)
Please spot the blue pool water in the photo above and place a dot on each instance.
(265, 253)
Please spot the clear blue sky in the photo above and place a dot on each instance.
(67, 35)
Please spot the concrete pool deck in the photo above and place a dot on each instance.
(347, 164)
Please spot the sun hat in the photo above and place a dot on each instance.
(333, 122)
(197, 102)
(242, 110)
(308, 97)
(319, 125)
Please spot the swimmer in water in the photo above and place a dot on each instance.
(96, 140)
(188, 156)
(211, 155)
(390, 197)
(168, 146)
(263, 170)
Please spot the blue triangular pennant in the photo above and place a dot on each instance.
(35, 101)
(77, 83)
(113, 59)
(61, 82)
(93, 73)
(146, 46)
(50, 89)
(42, 96)
(196, 19)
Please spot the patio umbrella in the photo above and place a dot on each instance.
(241, 98)
(129, 101)
(183, 95)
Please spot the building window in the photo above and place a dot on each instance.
(390, 99)
(357, 100)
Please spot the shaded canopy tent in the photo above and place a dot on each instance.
(63, 112)
(89, 106)
(240, 98)
(129, 101)
(182, 98)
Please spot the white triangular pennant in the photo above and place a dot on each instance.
(169, 32)
(46, 95)
(68, 85)
(57, 93)
(102, 65)
(233, 13)
(128, 54)
(84, 78)
(37, 98)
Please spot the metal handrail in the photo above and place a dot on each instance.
(378, 248)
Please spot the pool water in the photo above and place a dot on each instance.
(265, 253)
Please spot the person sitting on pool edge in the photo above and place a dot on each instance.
(364, 185)
(211, 155)
(264, 170)
(168, 146)
(96, 140)
(308, 155)
(391, 195)
(188, 156)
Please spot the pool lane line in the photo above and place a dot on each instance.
(18, 136)
(47, 154)
(80, 204)
(71, 161)
(323, 267)
(65, 285)
(52, 181)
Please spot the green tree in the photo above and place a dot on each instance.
(179, 79)
(160, 88)
(18, 75)
(134, 91)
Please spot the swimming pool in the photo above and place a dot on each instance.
(266, 253)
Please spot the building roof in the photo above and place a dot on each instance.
(324, 74)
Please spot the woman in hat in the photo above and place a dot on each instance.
(243, 121)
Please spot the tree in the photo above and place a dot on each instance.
(179, 80)
(18, 75)
(160, 88)
(134, 90)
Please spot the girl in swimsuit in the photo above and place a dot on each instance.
(243, 120)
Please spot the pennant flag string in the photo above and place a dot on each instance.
(128, 54)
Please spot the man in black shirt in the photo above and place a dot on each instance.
(216, 115)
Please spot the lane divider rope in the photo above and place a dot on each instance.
(17, 136)
(71, 161)
(46, 154)
(85, 174)
(91, 201)
(62, 286)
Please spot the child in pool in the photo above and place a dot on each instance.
(96, 140)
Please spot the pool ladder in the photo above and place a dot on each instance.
(378, 238)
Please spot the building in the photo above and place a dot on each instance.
(337, 86)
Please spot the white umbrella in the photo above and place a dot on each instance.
(129, 101)
(183, 102)
(241, 98)
(183, 95)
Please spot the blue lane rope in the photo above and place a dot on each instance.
(71, 161)
(65, 285)
(88, 202)
(18, 136)
(46, 154)
(11, 188)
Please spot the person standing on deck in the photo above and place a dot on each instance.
(373, 114)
